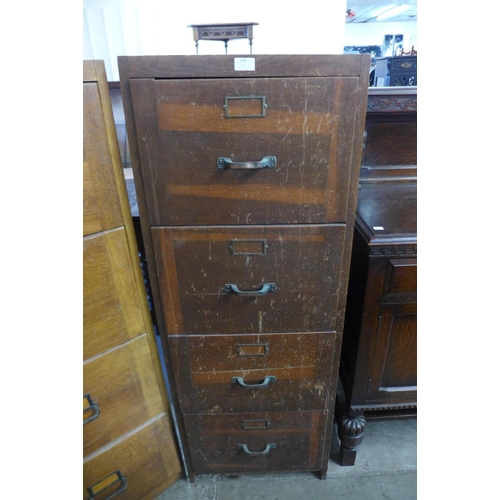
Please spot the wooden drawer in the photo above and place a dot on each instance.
(401, 280)
(111, 306)
(101, 202)
(124, 386)
(274, 441)
(146, 459)
(189, 124)
(291, 372)
(196, 264)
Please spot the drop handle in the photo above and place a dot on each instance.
(115, 483)
(266, 287)
(265, 451)
(267, 380)
(89, 405)
(266, 162)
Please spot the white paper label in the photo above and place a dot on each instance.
(244, 63)
(378, 228)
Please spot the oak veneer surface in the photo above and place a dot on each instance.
(147, 458)
(306, 129)
(246, 184)
(128, 443)
(205, 367)
(296, 259)
(111, 306)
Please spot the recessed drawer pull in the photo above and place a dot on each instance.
(266, 287)
(89, 405)
(264, 383)
(109, 481)
(268, 447)
(266, 162)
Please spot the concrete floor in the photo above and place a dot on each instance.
(385, 469)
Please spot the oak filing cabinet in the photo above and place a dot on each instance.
(129, 447)
(246, 171)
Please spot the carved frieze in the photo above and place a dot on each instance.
(377, 103)
(393, 250)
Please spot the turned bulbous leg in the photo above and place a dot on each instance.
(351, 431)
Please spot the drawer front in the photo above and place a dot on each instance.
(197, 265)
(238, 373)
(123, 385)
(253, 442)
(138, 467)
(308, 127)
(401, 280)
(101, 203)
(111, 306)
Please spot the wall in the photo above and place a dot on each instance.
(152, 27)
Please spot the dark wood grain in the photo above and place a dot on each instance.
(298, 437)
(265, 65)
(379, 351)
(205, 366)
(302, 261)
(178, 128)
(308, 127)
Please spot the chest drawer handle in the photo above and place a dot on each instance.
(266, 287)
(266, 162)
(264, 383)
(115, 481)
(89, 405)
(265, 451)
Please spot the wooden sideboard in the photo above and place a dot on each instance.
(129, 446)
(246, 184)
(378, 368)
(397, 71)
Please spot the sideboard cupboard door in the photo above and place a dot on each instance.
(393, 372)
(306, 124)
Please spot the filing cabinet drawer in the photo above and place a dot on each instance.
(206, 139)
(123, 386)
(235, 373)
(253, 442)
(112, 312)
(101, 202)
(260, 279)
(140, 466)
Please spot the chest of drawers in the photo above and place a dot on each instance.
(246, 179)
(129, 448)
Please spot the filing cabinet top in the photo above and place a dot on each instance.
(223, 66)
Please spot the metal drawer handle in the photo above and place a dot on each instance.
(88, 405)
(264, 383)
(266, 287)
(107, 482)
(268, 447)
(266, 162)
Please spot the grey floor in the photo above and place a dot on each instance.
(385, 468)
